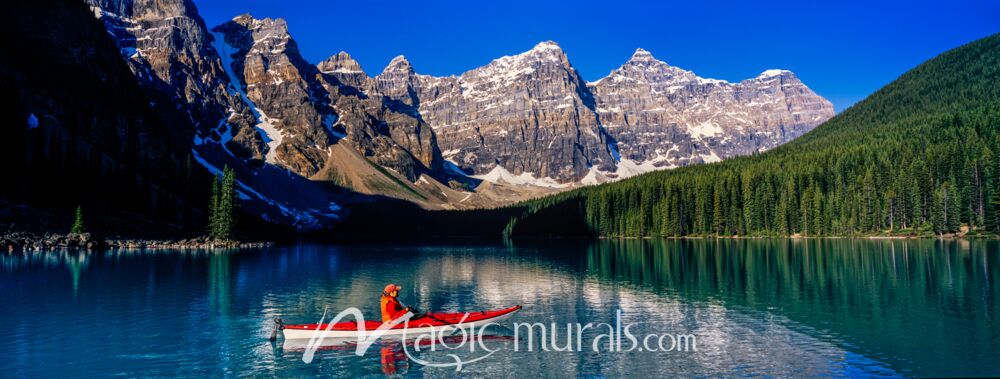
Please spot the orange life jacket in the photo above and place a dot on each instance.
(391, 308)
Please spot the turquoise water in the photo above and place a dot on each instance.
(756, 308)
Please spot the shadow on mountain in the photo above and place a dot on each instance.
(78, 129)
(82, 132)
(384, 219)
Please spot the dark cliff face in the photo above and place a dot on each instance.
(247, 88)
(171, 52)
(79, 130)
(281, 85)
(305, 109)
(387, 128)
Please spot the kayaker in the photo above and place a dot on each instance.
(391, 307)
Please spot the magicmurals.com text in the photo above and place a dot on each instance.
(609, 338)
(527, 337)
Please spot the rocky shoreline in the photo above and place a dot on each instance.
(22, 241)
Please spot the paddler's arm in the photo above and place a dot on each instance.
(402, 309)
(399, 308)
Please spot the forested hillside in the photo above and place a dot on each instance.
(919, 156)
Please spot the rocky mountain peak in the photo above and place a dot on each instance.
(265, 36)
(645, 68)
(546, 56)
(547, 46)
(641, 55)
(244, 19)
(527, 118)
(664, 116)
(547, 51)
(340, 63)
(775, 73)
(645, 61)
(263, 60)
(271, 24)
(528, 115)
(399, 64)
(140, 9)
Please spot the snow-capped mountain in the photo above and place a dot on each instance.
(264, 66)
(530, 118)
(525, 124)
(663, 116)
(527, 114)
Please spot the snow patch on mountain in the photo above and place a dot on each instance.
(500, 175)
(342, 70)
(711, 157)
(546, 46)
(773, 72)
(593, 177)
(705, 129)
(272, 136)
(628, 168)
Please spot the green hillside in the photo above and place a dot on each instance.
(919, 156)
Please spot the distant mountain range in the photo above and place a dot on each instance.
(530, 118)
(918, 158)
(307, 140)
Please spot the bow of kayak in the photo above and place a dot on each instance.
(415, 326)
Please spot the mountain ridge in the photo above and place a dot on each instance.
(507, 68)
(518, 127)
(917, 158)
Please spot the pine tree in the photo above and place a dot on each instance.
(953, 201)
(807, 209)
(227, 194)
(213, 210)
(993, 212)
(817, 214)
(718, 217)
(221, 207)
(939, 211)
(78, 226)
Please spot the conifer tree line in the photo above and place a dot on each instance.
(221, 210)
(920, 156)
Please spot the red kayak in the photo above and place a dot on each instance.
(416, 326)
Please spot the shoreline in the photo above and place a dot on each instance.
(952, 236)
(34, 242)
(23, 241)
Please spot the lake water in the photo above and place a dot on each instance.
(756, 307)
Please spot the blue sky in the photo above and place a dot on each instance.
(843, 50)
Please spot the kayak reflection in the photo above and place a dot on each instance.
(392, 353)
(495, 334)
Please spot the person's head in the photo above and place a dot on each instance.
(391, 290)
